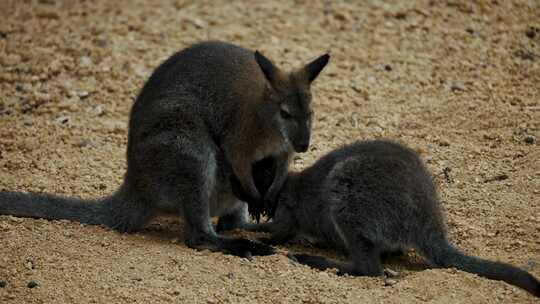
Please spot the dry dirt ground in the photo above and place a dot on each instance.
(457, 80)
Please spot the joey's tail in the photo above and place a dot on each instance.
(53, 207)
(443, 254)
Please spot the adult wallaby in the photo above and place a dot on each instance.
(367, 199)
(207, 112)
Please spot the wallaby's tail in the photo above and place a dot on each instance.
(54, 207)
(443, 254)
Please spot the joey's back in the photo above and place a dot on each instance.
(370, 178)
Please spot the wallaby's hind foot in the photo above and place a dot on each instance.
(245, 247)
(234, 246)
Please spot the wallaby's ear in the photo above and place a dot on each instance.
(269, 69)
(312, 69)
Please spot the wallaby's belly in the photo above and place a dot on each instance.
(222, 203)
(222, 199)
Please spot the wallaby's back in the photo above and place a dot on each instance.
(212, 80)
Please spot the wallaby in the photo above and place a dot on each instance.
(207, 112)
(368, 199)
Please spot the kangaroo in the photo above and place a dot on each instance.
(207, 112)
(368, 199)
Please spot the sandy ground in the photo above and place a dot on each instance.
(458, 81)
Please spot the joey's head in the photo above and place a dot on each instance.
(287, 100)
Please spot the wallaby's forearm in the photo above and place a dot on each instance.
(280, 175)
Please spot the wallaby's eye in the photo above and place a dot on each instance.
(285, 114)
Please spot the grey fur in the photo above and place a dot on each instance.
(205, 113)
(367, 199)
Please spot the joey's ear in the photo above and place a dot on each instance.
(312, 69)
(269, 69)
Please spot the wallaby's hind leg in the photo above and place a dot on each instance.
(186, 175)
(196, 214)
(236, 218)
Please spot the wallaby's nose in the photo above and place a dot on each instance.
(302, 147)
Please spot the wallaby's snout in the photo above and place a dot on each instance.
(301, 144)
(302, 147)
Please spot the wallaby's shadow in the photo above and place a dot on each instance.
(166, 229)
(397, 261)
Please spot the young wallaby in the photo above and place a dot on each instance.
(206, 113)
(367, 199)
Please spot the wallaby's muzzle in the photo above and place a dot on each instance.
(301, 139)
(301, 147)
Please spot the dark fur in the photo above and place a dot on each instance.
(207, 112)
(367, 199)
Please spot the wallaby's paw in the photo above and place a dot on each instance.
(246, 248)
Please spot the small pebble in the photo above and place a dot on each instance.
(391, 273)
(3, 284)
(529, 139)
(85, 143)
(444, 143)
(456, 86)
(83, 94)
(98, 111)
(32, 284)
(62, 119)
(499, 177)
(532, 32)
(389, 282)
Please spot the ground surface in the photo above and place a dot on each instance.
(456, 80)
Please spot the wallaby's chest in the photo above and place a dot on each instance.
(270, 146)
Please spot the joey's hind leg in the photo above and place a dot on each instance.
(365, 258)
